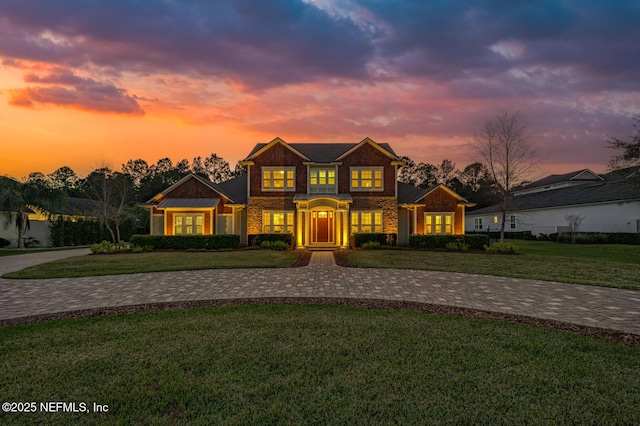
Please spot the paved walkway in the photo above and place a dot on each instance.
(585, 305)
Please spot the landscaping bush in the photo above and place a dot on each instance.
(184, 242)
(371, 245)
(458, 245)
(502, 248)
(600, 238)
(275, 245)
(360, 238)
(77, 232)
(431, 242)
(4, 243)
(105, 247)
(257, 239)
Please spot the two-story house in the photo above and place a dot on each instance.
(322, 193)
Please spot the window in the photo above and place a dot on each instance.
(366, 222)
(478, 223)
(495, 219)
(366, 178)
(188, 224)
(278, 178)
(513, 222)
(322, 180)
(439, 223)
(277, 222)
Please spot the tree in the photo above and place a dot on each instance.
(137, 170)
(475, 184)
(217, 169)
(421, 175)
(629, 152)
(64, 179)
(504, 144)
(574, 221)
(18, 198)
(446, 173)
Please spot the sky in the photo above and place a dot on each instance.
(90, 82)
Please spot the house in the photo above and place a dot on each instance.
(607, 203)
(322, 193)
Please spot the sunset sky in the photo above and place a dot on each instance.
(83, 82)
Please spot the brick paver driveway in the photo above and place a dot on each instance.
(584, 305)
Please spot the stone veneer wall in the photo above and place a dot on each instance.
(389, 206)
(256, 205)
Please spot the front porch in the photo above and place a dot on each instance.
(322, 221)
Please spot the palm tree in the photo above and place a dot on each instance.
(17, 199)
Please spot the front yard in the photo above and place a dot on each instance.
(131, 263)
(316, 365)
(602, 265)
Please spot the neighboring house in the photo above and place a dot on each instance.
(39, 222)
(607, 203)
(322, 193)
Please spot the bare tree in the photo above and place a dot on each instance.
(574, 221)
(506, 149)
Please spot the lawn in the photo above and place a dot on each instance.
(602, 265)
(130, 263)
(16, 252)
(316, 365)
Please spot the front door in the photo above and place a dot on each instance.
(322, 227)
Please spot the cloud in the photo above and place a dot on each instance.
(66, 89)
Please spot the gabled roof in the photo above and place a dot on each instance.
(322, 152)
(202, 180)
(188, 203)
(409, 194)
(235, 189)
(584, 175)
(616, 187)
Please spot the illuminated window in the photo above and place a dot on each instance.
(495, 219)
(278, 178)
(477, 223)
(322, 180)
(277, 222)
(188, 224)
(366, 178)
(440, 223)
(366, 222)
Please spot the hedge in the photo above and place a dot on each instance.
(184, 242)
(475, 241)
(600, 238)
(509, 235)
(360, 238)
(257, 239)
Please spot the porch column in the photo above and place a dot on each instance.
(345, 228)
(151, 221)
(307, 228)
(299, 231)
(415, 221)
(337, 233)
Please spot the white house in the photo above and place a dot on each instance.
(607, 203)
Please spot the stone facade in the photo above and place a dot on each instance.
(257, 205)
(388, 205)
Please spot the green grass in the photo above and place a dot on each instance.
(602, 265)
(15, 252)
(316, 365)
(130, 263)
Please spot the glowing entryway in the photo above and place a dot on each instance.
(322, 227)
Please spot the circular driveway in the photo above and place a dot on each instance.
(590, 306)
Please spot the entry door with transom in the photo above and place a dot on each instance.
(322, 227)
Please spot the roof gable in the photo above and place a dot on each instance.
(369, 141)
(262, 148)
(206, 182)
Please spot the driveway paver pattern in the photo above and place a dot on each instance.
(609, 308)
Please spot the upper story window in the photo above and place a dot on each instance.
(366, 178)
(278, 178)
(322, 180)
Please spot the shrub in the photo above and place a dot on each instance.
(4, 243)
(601, 238)
(458, 245)
(257, 239)
(371, 245)
(502, 248)
(275, 245)
(431, 242)
(184, 242)
(137, 249)
(360, 238)
(105, 247)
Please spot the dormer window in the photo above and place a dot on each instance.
(366, 178)
(322, 180)
(278, 178)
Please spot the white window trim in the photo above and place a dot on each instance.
(284, 226)
(335, 185)
(512, 222)
(184, 225)
(360, 170)
(373, 222)
(477, 221)
(433, 214)
(277, 168)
